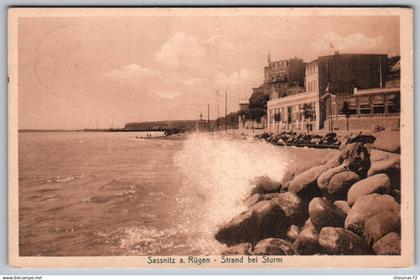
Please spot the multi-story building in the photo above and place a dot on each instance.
(283, 77)
(341, 75)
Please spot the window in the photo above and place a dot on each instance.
(393, 102)
(378, 104)
(364, 105)
(300, 112)
(277, 116)
(271, 116)
(352, 105)
(295, 113)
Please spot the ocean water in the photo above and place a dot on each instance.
(113, 194)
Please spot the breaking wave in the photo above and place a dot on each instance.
(218, 172)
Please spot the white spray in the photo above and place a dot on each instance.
(218, 174)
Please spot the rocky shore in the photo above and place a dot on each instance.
(350, 205)
(299, 139)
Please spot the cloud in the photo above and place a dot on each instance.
(355, 43)
(220, 45)
(190, 67)
(130, 71)
(193, 81)
(180, 50)
(168, 94)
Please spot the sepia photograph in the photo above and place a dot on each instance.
(210, 137)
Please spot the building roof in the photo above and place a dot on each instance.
(345, 54)
(377, 90)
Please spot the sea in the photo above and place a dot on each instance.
(123, 193)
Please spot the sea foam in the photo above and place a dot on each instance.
(218, 172)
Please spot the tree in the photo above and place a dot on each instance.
(258, 100)
(345, 110)
(255, 113)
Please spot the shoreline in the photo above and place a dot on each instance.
(349, 205)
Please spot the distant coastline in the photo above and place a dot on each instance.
(167, 130)
(71, 130)
(169, 126)
(91, 130)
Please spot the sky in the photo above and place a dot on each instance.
(101, 72)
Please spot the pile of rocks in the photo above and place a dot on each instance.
(293, 138)
(348, 206)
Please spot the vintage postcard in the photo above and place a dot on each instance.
(211, 137)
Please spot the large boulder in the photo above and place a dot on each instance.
(335, 160)
(256, 197)
(396, 194)
(288, 177)
(367, 206)
(323, 180)
(293, 207)
(262, 220)
(340, 183)
(356, 157)
(305, 179)
(388, 141)
(253, 199)
(307, 242)
(264, 184)
(240, 249)
(308, 223)
(385, 166)
(339, 241)
(342, 205)
(369, 147)
(390, 244)
(380, 183)
(380, 225)
(323, 213)
(292, 232)
(263, 135)
(379, 155)
(391, 167)
(362, 138)
(273, 246)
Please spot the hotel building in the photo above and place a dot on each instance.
(359, 80)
